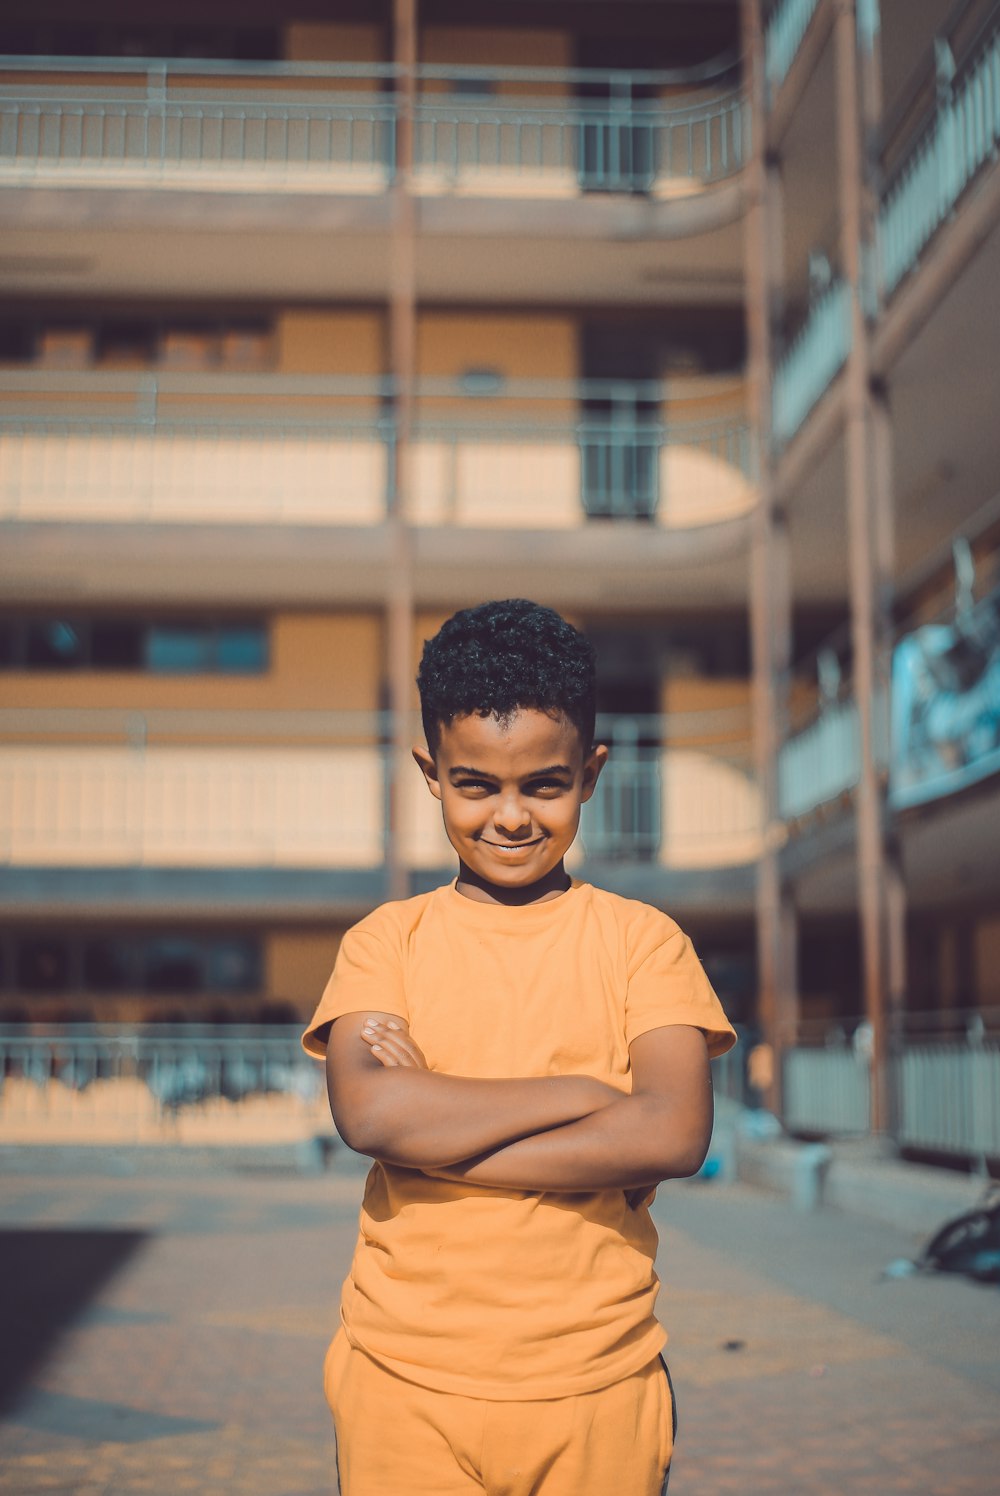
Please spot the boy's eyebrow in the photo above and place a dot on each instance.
(457, 769)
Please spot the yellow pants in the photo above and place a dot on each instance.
(397, 1439)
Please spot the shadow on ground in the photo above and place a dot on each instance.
(47, 1279)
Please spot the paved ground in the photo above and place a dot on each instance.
(165, 1333)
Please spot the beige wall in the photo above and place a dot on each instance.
(321, 342)
(331, 41)
(498, 46)
(297, 965)
(537, 347)
(323, 661)
(987, 949)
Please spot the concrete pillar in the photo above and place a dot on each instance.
(399, 603)
(867, 440)
(770, 592)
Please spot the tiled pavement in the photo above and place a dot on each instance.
(186, 1317)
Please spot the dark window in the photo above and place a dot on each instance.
(173, 964)
(108, 965)
(234, 966)
(43, 964)
(54, 644)
(117, 644)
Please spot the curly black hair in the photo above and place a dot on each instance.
(500, 657)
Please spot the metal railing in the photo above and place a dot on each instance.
(960, 137)
(945, 1090)
(786, 26)
(812, 362)
(820, 763)
(195, 1083)
(95, 446)
(538, 130)
(112, 789)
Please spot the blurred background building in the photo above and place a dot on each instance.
(321, 320)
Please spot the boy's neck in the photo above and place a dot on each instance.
(471, 886)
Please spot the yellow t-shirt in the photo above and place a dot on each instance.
(493, 1293)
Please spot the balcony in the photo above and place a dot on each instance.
(813, 361)
(209, 126)
(786, 27)
(287, 791)
(282, 450)
(953, 141)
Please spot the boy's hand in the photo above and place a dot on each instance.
(390, 1043)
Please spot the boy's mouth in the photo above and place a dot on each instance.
(512, 846)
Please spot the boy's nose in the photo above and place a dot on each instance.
(512, 816)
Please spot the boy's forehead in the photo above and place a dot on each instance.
(529, 736)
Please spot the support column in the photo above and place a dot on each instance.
(770, 591)
(870, 541)
(399, 603)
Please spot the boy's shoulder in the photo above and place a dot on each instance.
(632, 914)
(395, 915)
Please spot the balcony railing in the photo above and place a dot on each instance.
(155, 1084)
(280, 790)
(279, 449)
(961, 136)
(313, 126)
(786, 26)
(812, 362)
(820, 763)
(946, 1091)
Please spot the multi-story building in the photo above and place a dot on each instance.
(320, 323)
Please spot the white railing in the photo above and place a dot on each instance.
(821, 763)
(787, 25)
(945, 1093)
(961, 137)
(274, 126)
(826, 1090)
(812, 362)
(67, 802)
(279, 449)
(949, 1097)
(97, 1084)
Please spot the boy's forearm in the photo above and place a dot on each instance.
(427, 1120)
(637, 1141)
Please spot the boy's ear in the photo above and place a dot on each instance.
(592, 767)
(428, 768)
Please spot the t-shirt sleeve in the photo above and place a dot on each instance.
(667, 984)
(368, 973)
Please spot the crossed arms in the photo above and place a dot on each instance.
(559, 1132)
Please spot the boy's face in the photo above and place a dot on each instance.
(511, 794)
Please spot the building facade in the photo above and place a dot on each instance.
(318, 326)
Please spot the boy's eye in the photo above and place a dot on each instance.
(545, 786)
(475, 784)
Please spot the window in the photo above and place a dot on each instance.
(195, 646)
(172, 963)
(43, 964)
(55, 644)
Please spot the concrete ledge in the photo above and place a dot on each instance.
(858, 1177)
(315, 1155)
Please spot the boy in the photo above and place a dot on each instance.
(526, 1057)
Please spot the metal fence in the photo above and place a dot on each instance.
(99, 446)
(786, 26)
(536, 131)
(961, 136)
(945, 1091)
(94, 1083)
(814, 358)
